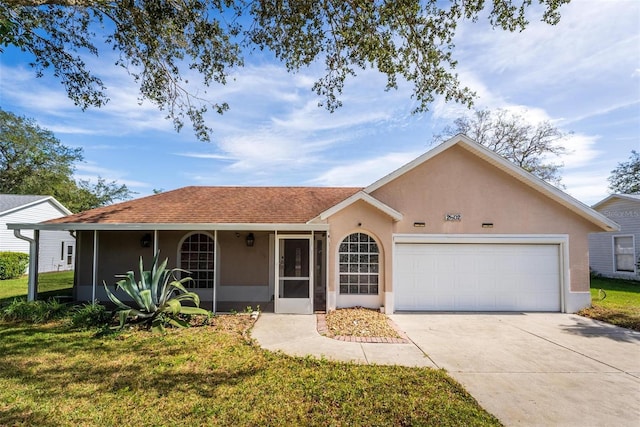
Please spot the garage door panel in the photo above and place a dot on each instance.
(477, 277)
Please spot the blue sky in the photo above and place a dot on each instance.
(583, 75)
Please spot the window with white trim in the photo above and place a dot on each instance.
(358, 258)
(69, 254)
(197, 257)
(623, 254)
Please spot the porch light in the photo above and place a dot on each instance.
(250, 239)
(145, 240)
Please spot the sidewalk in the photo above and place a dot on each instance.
(297, 335)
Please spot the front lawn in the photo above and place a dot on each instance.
(212, 375)
(49, 284)
(620, 306)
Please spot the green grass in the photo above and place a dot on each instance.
(210, 375)
(49, 284)
(621, 306)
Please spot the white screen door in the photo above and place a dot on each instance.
(294, 275)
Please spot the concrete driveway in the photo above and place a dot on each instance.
(536, 369)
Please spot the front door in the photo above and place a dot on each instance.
(294, 276)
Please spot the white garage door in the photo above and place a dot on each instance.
(477, 277)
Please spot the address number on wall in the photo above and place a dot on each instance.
(453, 217)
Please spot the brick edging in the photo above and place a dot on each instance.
(324, 331)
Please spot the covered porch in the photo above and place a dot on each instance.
(279, 267)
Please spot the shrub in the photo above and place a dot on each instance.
(158, 296)
(21, 310)
(89, 316)
(13, 264)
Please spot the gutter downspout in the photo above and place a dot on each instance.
(32, 288)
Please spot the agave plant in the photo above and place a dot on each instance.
(159, 297)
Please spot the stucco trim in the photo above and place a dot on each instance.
(508, 167)
(482, 238)
(360, 195)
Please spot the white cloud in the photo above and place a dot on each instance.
(364, 171)
(204, 156)
(89, 171)
(578, 48)
(580, 151)
(588, 187)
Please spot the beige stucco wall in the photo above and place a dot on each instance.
(361, 217)
(458, 182)
(241, 265)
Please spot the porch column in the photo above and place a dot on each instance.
(32, 286)
(155, 242)
(95, 267)
(215, 269)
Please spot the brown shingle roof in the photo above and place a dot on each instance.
(218, 205)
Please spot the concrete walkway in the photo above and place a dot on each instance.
(297, 335)
(527, 369)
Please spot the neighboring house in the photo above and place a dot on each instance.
(615, 254)
(457, 229)
(56, 248)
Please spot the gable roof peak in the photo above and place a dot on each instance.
(13, 202)
(630, 197)
(509, 168)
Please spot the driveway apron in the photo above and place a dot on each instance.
(536, 369)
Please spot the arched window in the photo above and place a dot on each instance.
(359, 260)
(196, 256)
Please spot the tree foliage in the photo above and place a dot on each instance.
(162, 42)
(34, 161)
(531, 147)
(625, 178)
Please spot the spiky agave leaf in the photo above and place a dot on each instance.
(113, 298)
(158, 275)
(168, 288)
(156, 309)
(178, 323)
(148, 303)
(194, 311)
(157, 325)
(129, 285)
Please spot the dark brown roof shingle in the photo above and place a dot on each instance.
(219, 205)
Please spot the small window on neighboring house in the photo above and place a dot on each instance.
(196, 256)
(358, 263)
(623, 254)
(69, 254)
(61, 250)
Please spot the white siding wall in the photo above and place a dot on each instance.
(627, 214)
(52, 256)
(50, 241)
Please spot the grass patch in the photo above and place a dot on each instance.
(620, 307)
(209, 375)
(59, 283)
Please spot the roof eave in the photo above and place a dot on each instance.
(360, 196)
(171, 226)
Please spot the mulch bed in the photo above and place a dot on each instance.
(359, 325)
